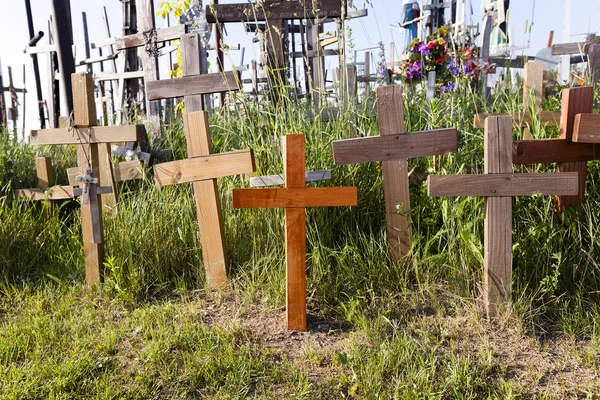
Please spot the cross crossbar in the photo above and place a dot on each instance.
(204, 167)
(586, 128)
(394, 147)
(295, 197)
(274, 10)
(57, 193)
(91, 135)
(502, 185)
(545, 151)
(193, 85)
(138, 39)
(273, 180)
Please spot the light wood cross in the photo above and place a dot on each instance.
(92, 142)
(575, 147)
(201, 167)
(295, 197)
(498, 185)
(393, 148)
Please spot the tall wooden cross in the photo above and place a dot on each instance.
(201, 167)
(90, 140)
(575, 147)
(295, 197)
(498, 185)
(393, 148)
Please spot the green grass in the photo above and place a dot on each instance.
(412, 330)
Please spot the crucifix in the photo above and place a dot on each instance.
(91, 140)
(149, 38)
(575, 147)
(498, 184)
(274, 13)
(295, 197)
(393, 147)
(437, 8)
(201, 167)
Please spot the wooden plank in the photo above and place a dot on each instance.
(106, 178)
(45, 173)
(394, 147)
(533, 79)
(502, 185)
(295, 271)
(137, 40)
(84, 135)
(294, 9)
(295, 197)
(549, 118)
(53, 193)
(274, 180)
(293, 161)
(128, 170)
(192, 85)
(562, 49)
(395, 173)
(593, 54)
(546, 151)
(91, 220)
(204, 167)
(574, 101)
(497, 233)
(316, 53)
(586, 128)
(110, 76)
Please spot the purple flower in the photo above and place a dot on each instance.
(455, 72)
(466, 70)
(444, 89)
(450, 65)
(451, 86)
(418, 47)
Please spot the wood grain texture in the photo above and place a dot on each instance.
(84, 135)
(128, 170)
(87, 156)
(394, 147)
(586, 128)
(497, 259)
(294, 160)
(295, 268)
(575, 101)
(45, 173)
(137, 40)
(533, 84)
(53, 193)
(276, 10)
(547, 118)
(192, 85)
(191, 57)
(208, 203)
(395, 173)
(204, 167)
(295, 197)
(545, 151)
(274, 180)
(107, 178)
(503, 185)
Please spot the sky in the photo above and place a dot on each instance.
(379, 25)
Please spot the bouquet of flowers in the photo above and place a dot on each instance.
(425, 57)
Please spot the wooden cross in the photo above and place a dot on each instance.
(499, 184)
(575, 147)
(201, 167)
(295, 197)
(92, 144)
(393, 148)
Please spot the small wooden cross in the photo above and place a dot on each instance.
(89, 138)
(575, 147)
(393, 148)
(499, 184)
(295, 197)
(201, 167)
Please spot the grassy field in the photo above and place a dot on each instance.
(377, 330)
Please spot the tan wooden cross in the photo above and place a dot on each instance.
(579, 136)
(201, 167)
(393, 148)
(498, 185)
(295, 197)
(88, 139)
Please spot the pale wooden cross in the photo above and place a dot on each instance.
(92, 144)
(295, 198)
(393, 148)
(201, 167)
(498, 185)
(575, 147)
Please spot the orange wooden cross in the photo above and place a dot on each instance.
(92, 146)
(393, 148)
(498, 185)
(579, 135)
(295, 197)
